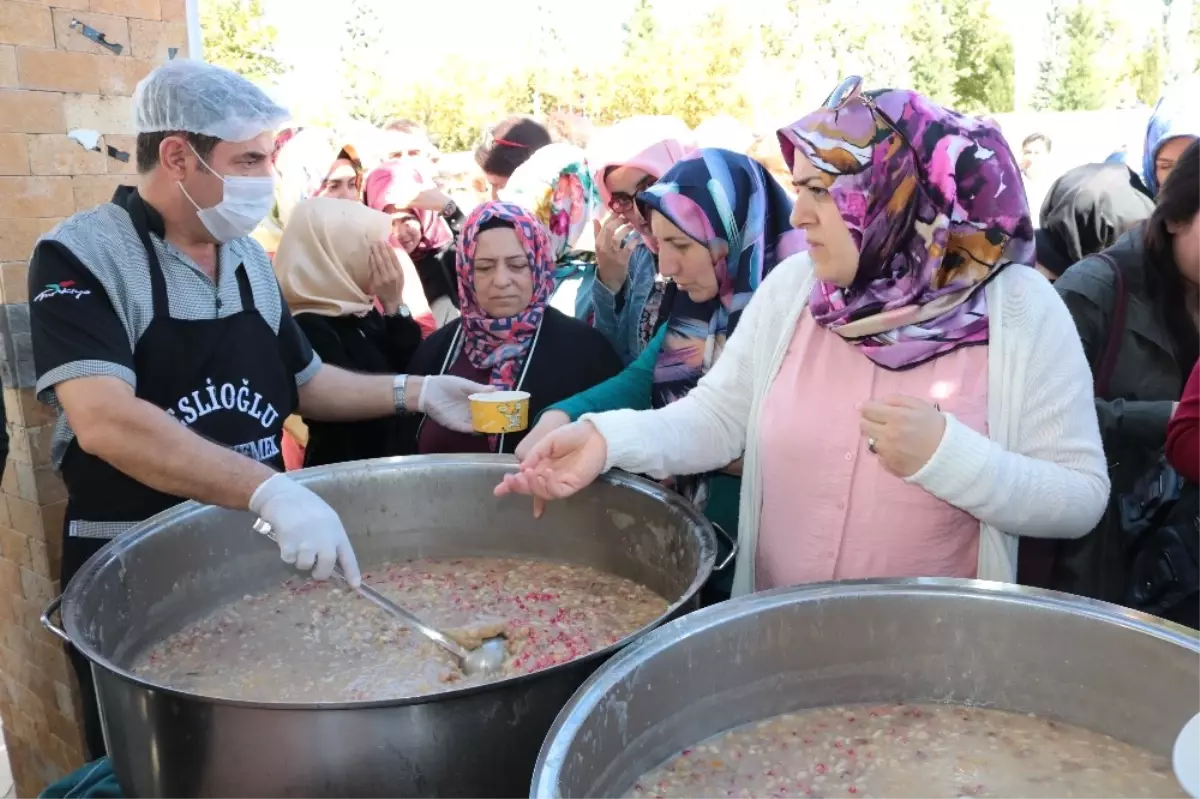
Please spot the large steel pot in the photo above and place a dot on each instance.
(479, 741)
(1083, 662)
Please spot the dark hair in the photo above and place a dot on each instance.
(1034, 138)
(510, 144)
(496, 222)
(148, 144)
(1178, 201)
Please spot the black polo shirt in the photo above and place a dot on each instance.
(90, 300)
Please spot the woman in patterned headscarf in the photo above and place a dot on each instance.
(556, 185)
(628, 291)
(508, 335)
(722, 224)
(900, 411)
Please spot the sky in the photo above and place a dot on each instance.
(310, 41)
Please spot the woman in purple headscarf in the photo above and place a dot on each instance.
(910, 397)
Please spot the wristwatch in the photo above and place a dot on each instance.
(449, 209)
(398, 384)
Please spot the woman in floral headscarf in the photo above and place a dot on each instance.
(557, 187)
(508, 335)
(722, 224)
(899, 410)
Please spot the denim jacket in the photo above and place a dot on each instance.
(619, 315)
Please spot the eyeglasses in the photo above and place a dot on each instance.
(622, 202)
(850, 90)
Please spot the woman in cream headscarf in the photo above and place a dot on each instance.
(333, 263)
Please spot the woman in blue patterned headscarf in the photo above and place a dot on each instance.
(721, 222)
(730, 205)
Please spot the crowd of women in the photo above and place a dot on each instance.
(854, 347)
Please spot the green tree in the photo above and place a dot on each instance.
(860, 41)
(1051, 67)
(237, 38)
(983, 59)
(1082, 87)
(931, 63)
(1148, 69)
(364, 52)
(795, 53)
(641, 28)
(707, 77)
(640, 80)
(999, 81)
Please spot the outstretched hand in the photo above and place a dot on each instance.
(561, 464)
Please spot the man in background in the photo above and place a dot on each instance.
(1035, 168)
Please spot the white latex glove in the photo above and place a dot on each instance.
(444, 398)
(309, 533)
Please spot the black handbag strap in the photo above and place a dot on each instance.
(1116, 331)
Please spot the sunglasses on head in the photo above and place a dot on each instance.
(622, 202)
(490, 140)
(850, 90)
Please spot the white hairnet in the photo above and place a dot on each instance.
(195, 97)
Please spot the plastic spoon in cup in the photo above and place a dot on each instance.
(485, 659)
(1186, 757)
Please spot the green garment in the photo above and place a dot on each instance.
(632, 389)
(95, 780)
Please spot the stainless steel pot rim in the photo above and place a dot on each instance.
(598, 687)
(122, 543)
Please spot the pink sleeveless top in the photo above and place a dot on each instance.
(830, 511)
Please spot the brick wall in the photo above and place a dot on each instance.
(53, 79)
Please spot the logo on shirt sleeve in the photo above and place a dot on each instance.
(65, 288)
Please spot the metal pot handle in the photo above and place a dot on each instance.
(48, 623)
(733, 547)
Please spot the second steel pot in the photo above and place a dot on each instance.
(1087, 663)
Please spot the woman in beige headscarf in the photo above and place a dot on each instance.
(333, 263)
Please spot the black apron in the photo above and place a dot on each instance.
(224, 379)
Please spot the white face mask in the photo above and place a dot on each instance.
(245, 203)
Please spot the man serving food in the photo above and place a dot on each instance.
(160, 335)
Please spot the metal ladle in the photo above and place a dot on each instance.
(484, 660)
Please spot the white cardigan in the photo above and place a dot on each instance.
(1042, 473)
